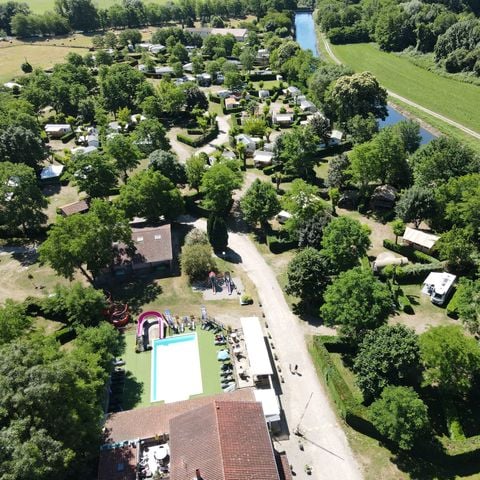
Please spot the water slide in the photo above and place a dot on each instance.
(152, 316)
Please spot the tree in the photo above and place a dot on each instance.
(337, 176)
(197, 261)
(21, 145)
(255, 126)
(81, 14)
(362, 129)
(21, 200)
(303, 202)
(150, 135)
(442, 159)
(468, 304)
(389, 355)
(14, 321)
(323, 76)
(357, 94)
(125, 153)
(393, 31)
(398, 227)
(400, 415)
(84, 242)
(76, 305)
(457, 248)
(409, 132)
(195, 168)
(171, 97)
(310, 232)
(260, 203)
(168, 165)
(233, 80)
(94, 174)
(320, 126)
(247, 58)
(119, 86)
(364, 163)
(415, 205)
(217, 233)
(450, 358)
(151, 195)
(308, 275)
(217, 185)
(196, 236)
(356, 302)
(344, 242)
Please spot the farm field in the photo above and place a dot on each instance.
(38, 55)
(456, 100)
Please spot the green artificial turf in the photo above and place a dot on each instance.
(454, 99)
(138, 368)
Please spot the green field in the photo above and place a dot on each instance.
(40, 6)
(456, 100)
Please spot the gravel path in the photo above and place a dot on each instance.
(325, 446)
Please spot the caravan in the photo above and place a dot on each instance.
(438, 285)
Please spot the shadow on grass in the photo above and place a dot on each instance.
(137, 292)
(132, 394)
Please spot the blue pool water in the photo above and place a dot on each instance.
(305, 32)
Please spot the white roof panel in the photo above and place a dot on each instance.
(426, 240)
(270, 405)
(257, 350)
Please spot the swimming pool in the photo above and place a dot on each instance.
(176, 372)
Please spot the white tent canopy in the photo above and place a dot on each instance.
(52, 171)
(270, 405)
(426, 240)
(256, 348)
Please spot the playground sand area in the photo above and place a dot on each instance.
(221, 291)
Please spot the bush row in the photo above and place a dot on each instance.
(452, 307)
(409, 252)
(202, 140)
(67, 137)
(278, 243)
(414, 273)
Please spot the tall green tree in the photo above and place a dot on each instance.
(260, 203)
(84, 242)
(168, 165)
(21, 145)
(415, 205)
(14, 321)
(389, 355)
(218, 184)
(345, 240)
(457, 247)
(151, 195)
(308, 276)
(468, 304)
(195, 168)
(357, 94)
(125, 153)
(400, 415)
(150, 135)
(450, 358)
(94, 174)
(197, 261)
(21, 200)
(217, 233)
(356, 302)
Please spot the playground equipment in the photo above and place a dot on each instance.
(229, 282)
(144, 321)
(117, 313)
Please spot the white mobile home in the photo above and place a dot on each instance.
(438, 285)
(57, 130)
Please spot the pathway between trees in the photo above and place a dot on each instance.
(325, 445)
(441, 117)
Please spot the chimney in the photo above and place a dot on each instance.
(198, 476)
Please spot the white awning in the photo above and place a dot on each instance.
(256, 348)
(270, 405)
(418, 237)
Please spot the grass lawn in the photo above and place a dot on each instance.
(138, 367)
(41, 55)
(456, 100)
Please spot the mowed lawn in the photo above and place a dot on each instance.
(456, 100)
(38, 55)
(40, 6)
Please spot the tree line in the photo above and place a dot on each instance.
(16, 18)
(449, 29)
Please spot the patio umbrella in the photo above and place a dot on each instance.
(223, 355)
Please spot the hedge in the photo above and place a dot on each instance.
(256, 77)
(231, 110)
(417, 272)
(67, 137)
(214, 98)
(277, 244)
(452, 307)
(409, 252)
(202, 140)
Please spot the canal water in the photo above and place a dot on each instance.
(307, 39)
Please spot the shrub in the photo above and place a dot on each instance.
(197, 261)
(452, 307)
(201, 140)
(67, 137)
(278, 243)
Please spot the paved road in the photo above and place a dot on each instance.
(441, 117)
(326, 448)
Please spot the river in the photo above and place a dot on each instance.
(306, 37)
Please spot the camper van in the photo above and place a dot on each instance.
(439, 285)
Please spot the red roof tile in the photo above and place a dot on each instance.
(224, 440)
(117, 464)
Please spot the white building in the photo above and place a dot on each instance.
(57, 130)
